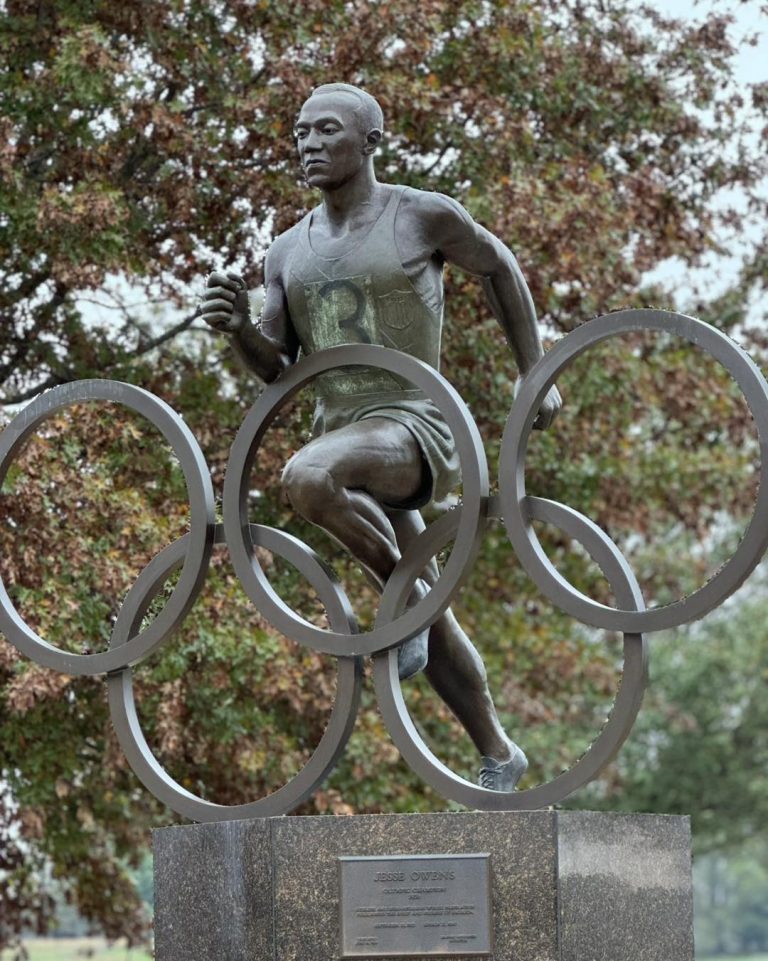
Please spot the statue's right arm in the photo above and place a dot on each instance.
(267, 347)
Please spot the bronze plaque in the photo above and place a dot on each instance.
(415, 906)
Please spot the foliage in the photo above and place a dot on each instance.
(701, 743)
(730, 905)
(138, 139)
(146, 142)
(24, 904)
(74, 949)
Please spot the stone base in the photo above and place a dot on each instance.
(565, 886)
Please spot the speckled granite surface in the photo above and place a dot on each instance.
(568, 886)
(213, 897)
(624, 887)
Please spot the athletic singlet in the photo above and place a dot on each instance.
(363, 296)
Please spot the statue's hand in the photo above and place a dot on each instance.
(549, 409)
(224, 305)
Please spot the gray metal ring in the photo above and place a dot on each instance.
(122, 705)
(626, 706)
(235, 507)
(198, 544)
(512, 472)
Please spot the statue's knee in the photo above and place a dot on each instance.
(294, 483)
(308, 488)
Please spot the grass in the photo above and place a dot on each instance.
(740, 957)
(95, 949)
(78, 949)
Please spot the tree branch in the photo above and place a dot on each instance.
(66, 376)
(28, 340)
(27, 287)
(163, 338)
(446, 147)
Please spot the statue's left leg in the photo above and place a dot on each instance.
(456, 671)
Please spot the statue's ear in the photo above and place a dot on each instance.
(372, 140)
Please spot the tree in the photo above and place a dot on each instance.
(145, 142)
(700, 744)
(730, 906)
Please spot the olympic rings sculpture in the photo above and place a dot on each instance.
(464, 525)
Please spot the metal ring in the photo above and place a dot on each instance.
(235, 507)
(394, 623)
(512, 473)
(626, 706)
(122, 705)
(198, 544)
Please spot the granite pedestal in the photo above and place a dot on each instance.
(564, 886)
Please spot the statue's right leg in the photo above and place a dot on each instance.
(341, 481)
(456, 671)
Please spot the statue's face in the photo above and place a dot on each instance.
(329, 139)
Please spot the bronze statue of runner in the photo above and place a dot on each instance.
(366, 266)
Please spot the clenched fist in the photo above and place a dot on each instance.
(225, 303)
(550, 406)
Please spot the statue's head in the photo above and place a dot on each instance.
(337, 132)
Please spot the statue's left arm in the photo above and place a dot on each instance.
(468, 245)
